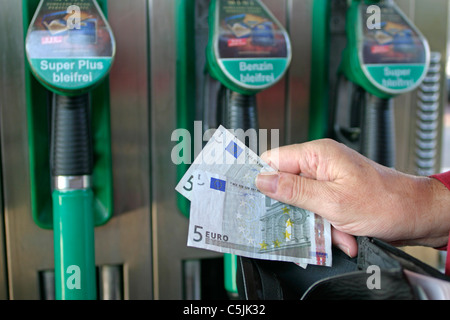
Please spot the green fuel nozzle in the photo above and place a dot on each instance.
(70, 49)
(386, 56)
(248, 51)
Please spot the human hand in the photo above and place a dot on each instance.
(358, 196)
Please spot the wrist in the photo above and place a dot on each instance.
(441, 193)
(433, 216)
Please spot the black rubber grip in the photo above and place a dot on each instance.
(237, 111)
(71, 144)
(379, 131)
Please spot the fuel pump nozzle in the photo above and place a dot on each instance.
(386, 55)
(70, 49)
(248, 51)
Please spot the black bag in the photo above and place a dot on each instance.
(347, 279)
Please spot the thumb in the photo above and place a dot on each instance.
(293, 189)
(308, 194)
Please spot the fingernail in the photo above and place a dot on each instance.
(345, 249)
(267, 182)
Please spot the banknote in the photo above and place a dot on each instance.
(224, 154)
(228, 213)
(232, 217)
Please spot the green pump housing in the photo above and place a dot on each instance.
(38, 102)
(376, 32)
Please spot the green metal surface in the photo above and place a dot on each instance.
(319, 90)
(74, 245)
(185, 83)
(230, 267)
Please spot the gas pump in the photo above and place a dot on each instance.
(247, 51)
(386, 56)
(70, 50)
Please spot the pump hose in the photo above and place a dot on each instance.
(71, 145)
(378, 136)
(237, 111)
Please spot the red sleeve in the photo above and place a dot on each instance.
(444, 178)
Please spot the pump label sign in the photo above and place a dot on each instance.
(396, 77)
(393, 53)
(255, 72)
(70, 46)
(251, 48)
(71, 73)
